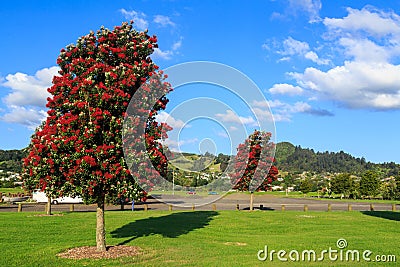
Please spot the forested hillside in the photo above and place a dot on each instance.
(289, 157)
(10, 160)
(297, 159)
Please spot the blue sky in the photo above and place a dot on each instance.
(330, 70)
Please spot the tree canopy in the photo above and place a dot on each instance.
(252, 167)
(297, 159)
(79, 148)
(343, 184)
(369, 183)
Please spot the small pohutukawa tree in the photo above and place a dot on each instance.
(41, 174)
(252, 168)
(79, 149)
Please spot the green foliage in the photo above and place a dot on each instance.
(8, 184)
(15, 155)
(343, 184)
(288, 181)
(11, 160)
(397, 188)
(223, 160)
(187, 167)
(306, 186)
(283, 151)
(369, 184)
(389, 189)
(298, 159)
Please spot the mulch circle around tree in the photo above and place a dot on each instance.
(89, 252)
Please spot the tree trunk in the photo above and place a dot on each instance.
(48, 210)
(100, 227)
(251, 200)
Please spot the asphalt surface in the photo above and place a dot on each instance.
(229, 202)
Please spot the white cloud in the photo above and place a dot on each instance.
(277, 15)
(265, 47)
(310, 7)
(282, 111)
(306, 8)
(283, 59)
(139, 18)
(141, 23)
(356, 84)
(30, 118)
(25, 104)
(263, 114)
(364, 50)
(174, 145)
(311, 55)
(167, 54)
(300, 107)
(369, 19)
(274, 103)
(368, 34)
(158, 53)
(263, 110)
(230, 116)
(369, 41)
(29, 90)
(285, 89)
(164, 117)
(177, 44)
(280, 117)
(163, 21)
(292, 47)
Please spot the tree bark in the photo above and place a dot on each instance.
(100, 227)
(251, 200)
(48, 210)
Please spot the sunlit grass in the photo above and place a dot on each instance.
(201, 238)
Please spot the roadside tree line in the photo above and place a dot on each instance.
(370, 184)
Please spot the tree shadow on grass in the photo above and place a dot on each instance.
(172, 225)
(390, 215)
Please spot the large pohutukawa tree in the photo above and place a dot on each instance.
(253, 166)
(79, 149)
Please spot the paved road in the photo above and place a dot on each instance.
(229, 202)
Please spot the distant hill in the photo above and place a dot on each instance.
(289, 158)
(297, 159)
(283, 151)
(11, 160)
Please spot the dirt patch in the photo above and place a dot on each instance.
(92, 253)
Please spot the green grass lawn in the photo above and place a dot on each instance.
(201, 238)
